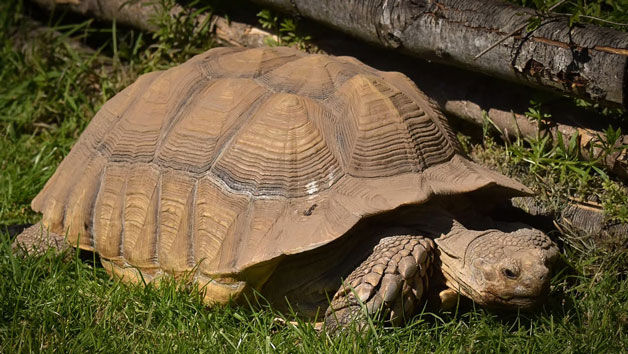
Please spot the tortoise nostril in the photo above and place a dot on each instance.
(509, 273)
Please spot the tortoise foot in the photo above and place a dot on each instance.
(388, 285)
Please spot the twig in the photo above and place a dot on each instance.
(513, 32)
(500, 41)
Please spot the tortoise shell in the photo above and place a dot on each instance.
(228, 162)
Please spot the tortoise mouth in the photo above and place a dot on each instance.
(502, 301)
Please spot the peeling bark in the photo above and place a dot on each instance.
(515, 123)
(585, 61)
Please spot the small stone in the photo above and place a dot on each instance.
(448, 299)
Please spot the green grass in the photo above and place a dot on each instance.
(554, 168)
(608, 13)
(49, 302)
(50, 90)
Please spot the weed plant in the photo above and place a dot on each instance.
(609, 13)
(288, 34)
(53, 83)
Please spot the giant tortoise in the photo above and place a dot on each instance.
(303, 179)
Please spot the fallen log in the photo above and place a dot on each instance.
(584, 60)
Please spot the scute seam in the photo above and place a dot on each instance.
(122, 216)
(192, 225)
(101, 186)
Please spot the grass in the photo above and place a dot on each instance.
(51, 88)
(609, 13)
(288, 33)
(554, 167)
(50, 302)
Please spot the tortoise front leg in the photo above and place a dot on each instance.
(391, 282)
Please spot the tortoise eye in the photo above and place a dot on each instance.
(509, 273)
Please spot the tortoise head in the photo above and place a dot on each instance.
(496, 268)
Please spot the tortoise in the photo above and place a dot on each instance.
(298, 177)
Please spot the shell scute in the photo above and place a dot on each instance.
(141, 207)
(175, 244)
(282, 151)
(214, 115)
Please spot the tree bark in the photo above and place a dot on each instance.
(585, 60)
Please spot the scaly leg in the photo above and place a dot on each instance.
(391, 282)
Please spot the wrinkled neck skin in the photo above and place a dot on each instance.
(499, 265)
